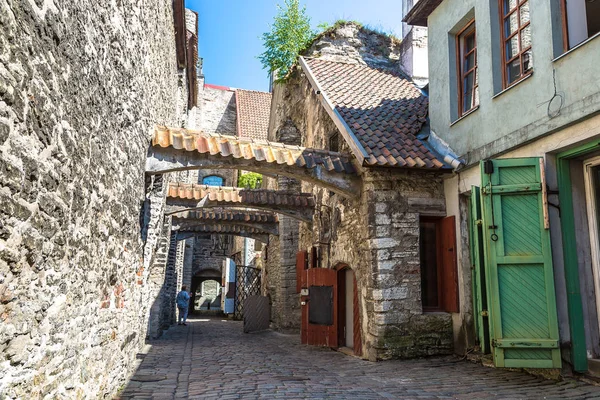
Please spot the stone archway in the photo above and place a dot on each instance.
(206, 294)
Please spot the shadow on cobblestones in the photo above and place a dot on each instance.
(213, 359)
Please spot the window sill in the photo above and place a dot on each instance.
(566, 53)
(513, 85)
(465, 115)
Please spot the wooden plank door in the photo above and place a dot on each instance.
(448, 265)
(519, 264)
(319, 308)
(356, 323)
(480, 306)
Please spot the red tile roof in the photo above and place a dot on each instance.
(248, 148)
(382, 108)
(240, 195)
(253, 110)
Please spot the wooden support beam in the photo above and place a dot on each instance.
(178, 205)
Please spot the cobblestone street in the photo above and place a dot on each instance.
(214, 359)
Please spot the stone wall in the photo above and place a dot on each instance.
(375, 234)
(82, 84)
(216, 111)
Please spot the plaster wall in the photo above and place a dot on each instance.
(508, 119)
(459, 187)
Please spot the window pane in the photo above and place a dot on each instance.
(509, 5)
(468, 92)
(429, 275)
(512, 47)
(526, 37)
(592, 11)
(513, 71)
(524, 13)
(469, 42)
(469, 62)
(527, 61)
(511, 24)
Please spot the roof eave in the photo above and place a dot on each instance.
(359, 151)
(417, 16)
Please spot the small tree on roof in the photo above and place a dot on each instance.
(290, 34)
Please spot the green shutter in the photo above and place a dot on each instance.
(518, 265)
(478, 273)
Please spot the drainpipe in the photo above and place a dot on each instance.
(445, 151)
(455, 162)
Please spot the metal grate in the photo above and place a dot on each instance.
(247, 283)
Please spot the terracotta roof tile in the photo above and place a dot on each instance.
(259, 197)
(222, 229)
(216, 215)
(253, 110)
(384, 109)
(248, 148)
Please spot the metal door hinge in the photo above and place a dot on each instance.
(484, 313)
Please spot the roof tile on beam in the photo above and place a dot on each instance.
(215, 144)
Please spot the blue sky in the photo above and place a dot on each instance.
(230, 30)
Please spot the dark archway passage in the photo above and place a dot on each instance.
(206, 292)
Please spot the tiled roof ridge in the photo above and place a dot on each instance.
(229, 194)
(254, 91)
(399, 73)
(220, 87)
(214, 214)
(210, 187)
(182, 185)
(176, 137)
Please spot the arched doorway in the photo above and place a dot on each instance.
(349, 332)
(208, 296)
(206, 291)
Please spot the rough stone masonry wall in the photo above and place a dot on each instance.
(397, 326)
(82, 83)
(375, 234)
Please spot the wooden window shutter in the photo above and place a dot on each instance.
(449, 268)
(301, 267)
(314, 257)
(518, 264)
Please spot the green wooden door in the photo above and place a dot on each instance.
(478, 272)
(518, 265)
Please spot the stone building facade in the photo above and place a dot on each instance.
(375, 234)
(82, 244)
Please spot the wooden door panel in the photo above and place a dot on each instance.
(449, 267)
(356, 324)
(518, 265)
(315, 334)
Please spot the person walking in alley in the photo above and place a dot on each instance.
(183, 302)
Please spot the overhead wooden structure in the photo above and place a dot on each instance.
(181, 149)
(191, 231)
(183, 197)
(258, 222)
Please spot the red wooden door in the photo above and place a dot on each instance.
(448, 265)
(319, 308)
(356, 323)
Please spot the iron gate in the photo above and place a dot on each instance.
(247, 283)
